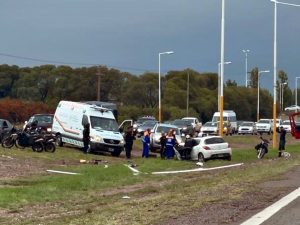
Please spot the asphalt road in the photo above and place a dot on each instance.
(288, 215)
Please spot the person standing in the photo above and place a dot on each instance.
(170, 142)
(162, 140)
(86, 138)
(129, 138)
(281, 148)
(146, 143)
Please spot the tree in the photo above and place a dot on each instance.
(254, 78)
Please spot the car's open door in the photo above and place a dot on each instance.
(124, 125)
(295, 127)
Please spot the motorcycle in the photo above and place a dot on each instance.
(31, 139)
(262, 148)
(9, 139)
(49, 142)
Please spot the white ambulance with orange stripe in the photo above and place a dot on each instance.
(70, 118)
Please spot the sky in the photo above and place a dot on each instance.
(129, 35)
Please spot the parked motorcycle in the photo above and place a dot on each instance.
(49, 142)
(31, 139)
(9, 139)
(262, 148)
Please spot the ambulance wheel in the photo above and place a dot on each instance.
(59, 141)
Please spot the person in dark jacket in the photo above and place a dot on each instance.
(281, 148)
(86, 138)
(146, 143)
(129, 138)
(162, 140)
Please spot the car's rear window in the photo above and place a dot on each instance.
(214, 140)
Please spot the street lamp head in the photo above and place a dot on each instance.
(264, 71)
(166, 53)
(246, 50)
(227, 62)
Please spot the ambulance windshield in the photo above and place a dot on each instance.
(101, 123)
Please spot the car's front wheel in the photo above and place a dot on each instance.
(201, 157)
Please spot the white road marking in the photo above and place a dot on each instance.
(271, 210)
(63, 172)
(197, 170)
(132, 169)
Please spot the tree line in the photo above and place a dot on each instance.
(137, 95)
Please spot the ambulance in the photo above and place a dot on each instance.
(70, 118)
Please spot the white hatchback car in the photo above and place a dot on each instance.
(211, 147)
(286, 125)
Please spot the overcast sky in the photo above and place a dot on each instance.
(129, 34)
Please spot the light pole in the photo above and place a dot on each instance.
(219, 83)
(222, 67)
(275, 66)
(159, 83)
(260, 72)
(246, 51)
(281, 94)
(296, 91)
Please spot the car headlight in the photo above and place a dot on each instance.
(122, 142)
(97, 139)
(49, 129)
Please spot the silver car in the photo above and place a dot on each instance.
(247, 128)
(156, 132)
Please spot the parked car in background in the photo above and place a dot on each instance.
(278, 122)
(247, 128)
(229, 116)
(5, 127)
(44, 121)
(209, 128)
(264, 126)
(156, 132)
(145, 126)
(292, 108)
(184, 126)
(286, 125)
(211, 147)
(140, 121)
(195, 123)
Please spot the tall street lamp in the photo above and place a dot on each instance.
(219, 82)
(281, 94)
(222, 67)
(258, 78)
(159, 83)
(246, 51)
(275, 66)
(296, 91)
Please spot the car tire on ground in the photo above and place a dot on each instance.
(228, 158)
(201, 157)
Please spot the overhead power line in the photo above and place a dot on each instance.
(70, 63)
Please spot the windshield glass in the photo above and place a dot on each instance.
(286, 123)
(166, 129)
(263, 121)
(149, 123)
(41, 119)
(217, 118)
(210, 124)
(104, 123)
(181, 122)
(247, 124)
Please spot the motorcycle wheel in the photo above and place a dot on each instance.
(37, 147)
(7, 142)
(261, 153)
(50, 147)
(18, 144)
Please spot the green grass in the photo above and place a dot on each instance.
(95, 195)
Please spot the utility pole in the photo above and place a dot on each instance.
(98, 83)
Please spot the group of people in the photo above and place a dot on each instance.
(167, 142)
